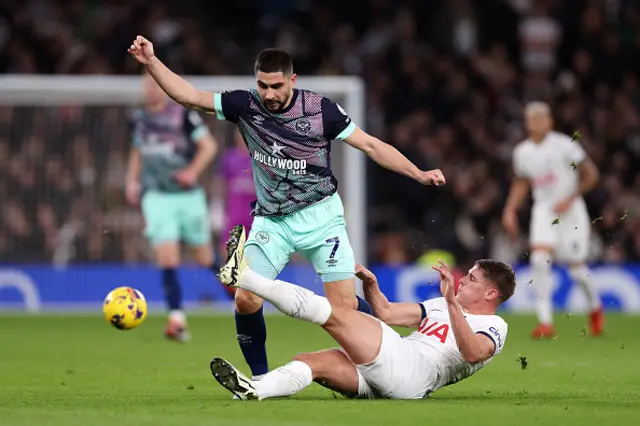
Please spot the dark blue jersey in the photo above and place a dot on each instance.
(290, 149)
(167, 141)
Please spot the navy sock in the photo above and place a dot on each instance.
(252, 337)
(364, 306)
(172, 289)
(215, 267)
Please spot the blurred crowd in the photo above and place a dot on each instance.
(446, 84)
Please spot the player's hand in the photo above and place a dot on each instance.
(563, 205)
(447, 283)
(510, 223)
(142, 50)
(432, 177)
(186, 177)
(132, 192)
(365, 275)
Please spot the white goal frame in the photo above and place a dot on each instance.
(42, 90)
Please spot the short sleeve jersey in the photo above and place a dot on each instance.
(167, 141)
(436, 333)
(550, 167)
(290, 149)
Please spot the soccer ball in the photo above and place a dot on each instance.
(125, 308)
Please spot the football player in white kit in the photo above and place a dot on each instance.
(456, 335)
(559, 172)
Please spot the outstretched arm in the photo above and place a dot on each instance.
(175, 86)
(400, 314)
(390, 158)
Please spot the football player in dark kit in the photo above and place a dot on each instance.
(171, 147)
(288, 132)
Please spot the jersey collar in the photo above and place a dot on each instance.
(294, 98)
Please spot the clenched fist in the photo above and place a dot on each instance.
(142, 50)
(432, 177)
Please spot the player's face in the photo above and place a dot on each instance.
(474, 288)
(538, 123)
(275, 89)
(152, 93)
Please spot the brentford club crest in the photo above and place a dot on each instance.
(303, 126)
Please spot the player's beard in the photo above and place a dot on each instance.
(276, 105)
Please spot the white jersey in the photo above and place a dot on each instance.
(436, 333)
(550, 167)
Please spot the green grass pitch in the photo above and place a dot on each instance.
(80, 371)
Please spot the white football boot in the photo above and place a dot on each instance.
(233, 380)
(236, 263)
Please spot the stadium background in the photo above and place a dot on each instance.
(446, 82)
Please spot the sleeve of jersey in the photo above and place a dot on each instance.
(496, 331)
(518, 166)
(337, 124)
(575, 152)
(194, 125)
(229, 105)
(429, 305)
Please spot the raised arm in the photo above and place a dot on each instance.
(399, 314)
(175, 86)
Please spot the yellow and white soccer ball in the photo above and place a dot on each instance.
(125, 308)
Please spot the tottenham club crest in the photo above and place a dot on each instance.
(303, 126)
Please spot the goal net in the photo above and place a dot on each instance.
(67, 140)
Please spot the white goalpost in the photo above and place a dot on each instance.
(124, 91)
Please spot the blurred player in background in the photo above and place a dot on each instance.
(289, 133)
(171, 147)
(454, 337)
(560, 173)
(237, 188)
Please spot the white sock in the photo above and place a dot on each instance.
(284, 381)
(580, 275)
(178, 316)
(542, 282)
(290, 299)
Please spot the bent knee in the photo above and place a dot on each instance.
(246, 302)
(168, 255)
(203, 255)
(343, 302)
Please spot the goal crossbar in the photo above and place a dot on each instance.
(42, 90)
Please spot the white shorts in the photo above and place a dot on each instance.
(402, 370)
(569, 237)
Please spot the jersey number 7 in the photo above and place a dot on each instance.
(336, 241)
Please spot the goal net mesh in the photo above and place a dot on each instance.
(64, 146)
